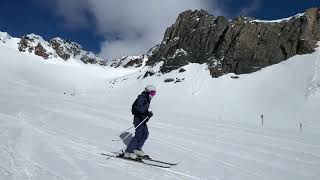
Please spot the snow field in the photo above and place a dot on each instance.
(212, 127)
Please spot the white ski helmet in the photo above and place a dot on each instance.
(150, 88)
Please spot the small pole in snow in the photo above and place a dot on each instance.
(300, 127)
(74, 92)
(262, 120)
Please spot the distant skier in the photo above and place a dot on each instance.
(140, 110)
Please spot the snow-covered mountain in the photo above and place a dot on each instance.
(128, 61)
(133, 61)
(56, 48)
(61, 49)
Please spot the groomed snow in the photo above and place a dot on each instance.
(212, 127)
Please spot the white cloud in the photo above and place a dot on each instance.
(130, 26)
(253, 6)
(73, 13)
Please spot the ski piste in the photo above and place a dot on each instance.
(137, 161)
(153, 160)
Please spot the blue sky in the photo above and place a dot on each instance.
(20, 17)
(100, 32)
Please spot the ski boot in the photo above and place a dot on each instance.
(129, 155)
(141, 154)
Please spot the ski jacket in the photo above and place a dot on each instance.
(140, 107)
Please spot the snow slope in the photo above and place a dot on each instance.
(314, 87)
(212, 127)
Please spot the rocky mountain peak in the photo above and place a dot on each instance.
(36, 44)
(241, 45)
(57, 47)
(64, 48)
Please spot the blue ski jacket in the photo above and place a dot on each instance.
(140, 107)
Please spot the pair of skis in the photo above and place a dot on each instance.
(142, 160)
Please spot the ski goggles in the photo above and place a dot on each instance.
(153, 93)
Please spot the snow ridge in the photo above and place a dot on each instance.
(279, 20)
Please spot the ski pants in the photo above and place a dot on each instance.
(140, 136)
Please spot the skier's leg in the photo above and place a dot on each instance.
(137, 137)
(132, 145)
(144, 137)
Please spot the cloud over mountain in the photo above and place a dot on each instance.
(129, 27)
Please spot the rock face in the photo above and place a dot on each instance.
(40, 51)
(35, 44)
(63, 48)
(243, 45)
(57, 47)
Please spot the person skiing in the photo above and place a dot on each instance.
(140, 110)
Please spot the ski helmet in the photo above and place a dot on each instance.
(150, 88)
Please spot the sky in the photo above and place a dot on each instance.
(112, 28)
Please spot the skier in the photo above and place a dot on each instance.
(140, 110)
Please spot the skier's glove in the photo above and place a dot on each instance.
(150, 114)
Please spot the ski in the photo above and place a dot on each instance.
(153, 160)
(136, 160)
(162, 162)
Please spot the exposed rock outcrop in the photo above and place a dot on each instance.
(57, 47)
(63, 48)
(36, 44)
(40, 51)
(243, 45)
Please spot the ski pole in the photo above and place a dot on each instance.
(134, 129)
